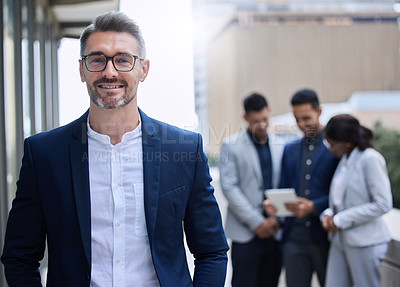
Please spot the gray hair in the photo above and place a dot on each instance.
(117, 22)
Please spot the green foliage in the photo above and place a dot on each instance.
(388, 143)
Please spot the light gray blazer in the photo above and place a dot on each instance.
(242, 183)
(366, 198)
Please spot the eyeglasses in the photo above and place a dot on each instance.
(121, 62)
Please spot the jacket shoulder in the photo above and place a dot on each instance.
(371, 154)
(171, 135)
(293, 144)
(236, 138)
(59, 134)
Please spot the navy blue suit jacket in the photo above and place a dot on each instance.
(53, 203)
(323, 168)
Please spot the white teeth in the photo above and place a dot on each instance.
(110, 87)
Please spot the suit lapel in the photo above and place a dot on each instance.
(349, 175)
(252, 157)
(151, 172)
(80, 179)
(321, 156)
(297, 155)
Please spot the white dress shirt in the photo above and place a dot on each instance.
(120, 248)
(339, 182)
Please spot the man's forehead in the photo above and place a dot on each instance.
(258, 114)
(111, 40)
(306, 107)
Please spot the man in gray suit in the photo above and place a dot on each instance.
(249, 164)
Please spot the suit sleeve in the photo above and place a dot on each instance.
(378, 187)
(320, 204)
(203, 228)
(25, 233)
(238, 203)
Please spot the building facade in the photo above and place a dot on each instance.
(30, 34)
(334, 47)
(28, 88)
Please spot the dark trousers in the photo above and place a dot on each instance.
(256, 263)
(301, 260)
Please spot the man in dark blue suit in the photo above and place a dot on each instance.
(113, 192)
(308, 167)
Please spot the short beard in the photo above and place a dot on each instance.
(98, 101)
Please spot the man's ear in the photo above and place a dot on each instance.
(145, 70)
(81, 71)
(245, 117)
(319, 110)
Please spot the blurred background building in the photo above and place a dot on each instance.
(279, 46)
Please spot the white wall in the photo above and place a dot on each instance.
(168, 92)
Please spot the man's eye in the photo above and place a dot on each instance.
(123, 60)
(96, 60)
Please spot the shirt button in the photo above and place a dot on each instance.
(307, 192)
(115, 186)
(308, 161)
(311, 147)
(307, 177)
(118, 260)
(308, 223)
(118, 223)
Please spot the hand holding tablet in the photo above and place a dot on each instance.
(278, 197)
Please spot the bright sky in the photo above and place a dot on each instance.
(168, 92)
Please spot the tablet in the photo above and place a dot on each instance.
(280, 196)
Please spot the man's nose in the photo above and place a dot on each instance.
(110, 70)
(262, 125)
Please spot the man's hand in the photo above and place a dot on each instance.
(302, 208)
(328, 224)
(269, 208)
(267, 228)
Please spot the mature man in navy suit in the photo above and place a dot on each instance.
(308, 167)
(113, 192)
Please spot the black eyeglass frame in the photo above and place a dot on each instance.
(112, 61)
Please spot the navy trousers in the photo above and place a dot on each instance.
(301, 260)
(256, 263)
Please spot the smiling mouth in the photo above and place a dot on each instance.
(110, 87)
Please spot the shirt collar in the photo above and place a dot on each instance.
(314, 140)
(254, 140)
(127, 137)
(348, 160)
